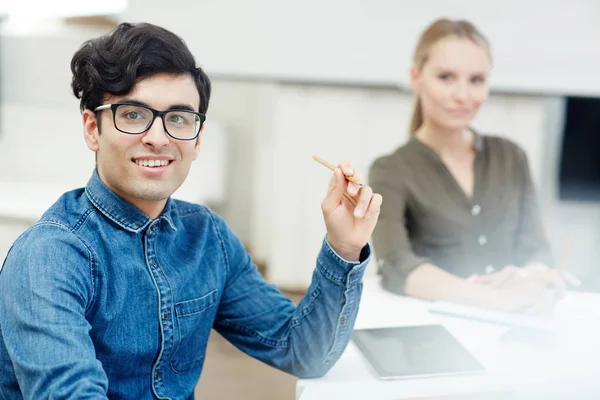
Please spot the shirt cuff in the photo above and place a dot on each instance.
(341, 271)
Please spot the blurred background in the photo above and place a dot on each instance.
(293, 79)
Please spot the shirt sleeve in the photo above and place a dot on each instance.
(45, 288)
(304, 340)
(531, 242)
(391, 242)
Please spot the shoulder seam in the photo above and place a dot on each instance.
(91, 257)
(221, 241)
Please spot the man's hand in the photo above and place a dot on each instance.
(350, 213)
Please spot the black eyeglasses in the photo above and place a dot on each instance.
(135, 119)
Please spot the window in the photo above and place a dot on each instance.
(579, 171)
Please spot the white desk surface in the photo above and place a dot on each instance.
(531, 370)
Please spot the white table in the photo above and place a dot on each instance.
(567, 371)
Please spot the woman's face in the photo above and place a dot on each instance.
(453, 82)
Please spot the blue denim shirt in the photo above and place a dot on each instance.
(97, 300)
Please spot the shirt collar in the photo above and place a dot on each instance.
(121, 212)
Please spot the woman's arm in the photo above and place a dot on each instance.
(405, 272)
(391, 242)
(433, 283)
(531, 244)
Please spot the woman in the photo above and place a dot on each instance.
(460, 220)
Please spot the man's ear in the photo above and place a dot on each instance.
(90, 130)
(197, 146)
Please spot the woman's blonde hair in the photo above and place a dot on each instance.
(438, 30)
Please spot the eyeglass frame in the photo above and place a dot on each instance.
(155, 113)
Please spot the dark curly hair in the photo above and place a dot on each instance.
(113, 63)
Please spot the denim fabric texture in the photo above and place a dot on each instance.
(99, 301)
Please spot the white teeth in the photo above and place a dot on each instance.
(152, 163)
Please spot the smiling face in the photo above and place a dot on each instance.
(452, 83)
(147, 168)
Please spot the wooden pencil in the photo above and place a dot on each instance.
(333, 167)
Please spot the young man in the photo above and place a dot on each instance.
(113, 293)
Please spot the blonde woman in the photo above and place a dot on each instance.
(460, 220)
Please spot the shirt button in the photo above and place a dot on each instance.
(489, 269)
(476, 210)
(165, 316)
(157, 375)
(482, 240)
(342, 320)
(154, 264)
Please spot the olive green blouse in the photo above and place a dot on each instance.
(426, 217)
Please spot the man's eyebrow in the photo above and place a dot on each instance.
(132, 101)
(182, 106)
(179, 106)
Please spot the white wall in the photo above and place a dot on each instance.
(356, 124)
(43, 154)
(43, 145)
(538, 45)
(270, 187)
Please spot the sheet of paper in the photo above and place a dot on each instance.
(496, 317)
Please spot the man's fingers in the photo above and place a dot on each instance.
(374, 206)
(347, 168)
(337, 187)
(367, 204)
(364, 198)
(353, 189)
(350, 172)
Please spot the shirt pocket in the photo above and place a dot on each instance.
(194, 320)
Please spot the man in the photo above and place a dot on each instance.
(113, 293)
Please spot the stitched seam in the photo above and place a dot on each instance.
(111, 217)
(221, 241)
(278, 343)
(338, 331)
(187, 314)
(328, 275)
(92, 260)
(83, 219)
(190, 211)
(308, 309)
(266, 341)
(211, 299)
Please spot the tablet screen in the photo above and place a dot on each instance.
(414, 351)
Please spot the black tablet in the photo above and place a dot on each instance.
(414, 351)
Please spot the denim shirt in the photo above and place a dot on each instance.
(99, 301)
